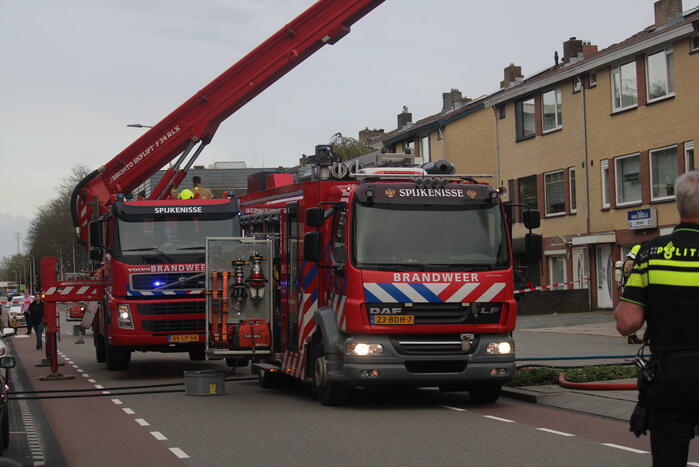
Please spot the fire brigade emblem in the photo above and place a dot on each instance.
(471, 194)
(390, 192)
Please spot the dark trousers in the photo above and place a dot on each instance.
(39, 331)
(28, 320)
(673, 410)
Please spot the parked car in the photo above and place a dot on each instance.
(6, 362)
(15, 317)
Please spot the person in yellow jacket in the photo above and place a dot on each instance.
(186, 194)
(628, 267)
(199, 191)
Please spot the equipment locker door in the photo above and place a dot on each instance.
(290, 260)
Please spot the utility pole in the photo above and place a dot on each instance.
(17, 236)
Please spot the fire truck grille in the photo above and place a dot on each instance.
(453, 313)
(435, 366)
(170, 308)
(173, 325)
(153, 281)
(440, 344)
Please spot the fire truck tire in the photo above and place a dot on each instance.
(237, 362)
(269, 380)
(486, 393)
(329, 393)
(118, 358)
(100, 350)
(198, 354)
(5, 430)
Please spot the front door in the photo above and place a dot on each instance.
(605, 272)
(581, 272)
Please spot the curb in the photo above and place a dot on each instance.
(520, 394)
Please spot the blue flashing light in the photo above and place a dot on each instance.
(157, 284)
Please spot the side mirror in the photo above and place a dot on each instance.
(314, 217)
(8, 332)
(311, 246)
(96, 234)
(7, 362)
(95, 254)
(533, 247)
(531, 219)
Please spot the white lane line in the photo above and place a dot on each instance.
(456, 409)
(625, 448)
(142, 422)
(70, 361)
(692, 463)
(179, 453)
(128, 411)
(90, 380)
(158, 435)
(85, 375)
(117, 401)
(492, 417)
(562, 433)
(74, 365)
(80, 370)
(99, 386)
(106, 392)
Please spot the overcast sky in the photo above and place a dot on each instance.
(74, 73)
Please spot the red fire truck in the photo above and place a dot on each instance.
(149, 283)
(395, 275)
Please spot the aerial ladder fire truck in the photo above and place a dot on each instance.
(148, 293)
(389, 275)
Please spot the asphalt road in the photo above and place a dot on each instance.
(249, 425)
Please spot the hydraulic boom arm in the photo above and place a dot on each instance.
(196, 121)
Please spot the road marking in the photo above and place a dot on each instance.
(80, 370)
(106, 392)
(692, 463)
(99, 386)
(142, 422)
(562, 433)
(85, 374)
(179, 453)
(117, 401)
(158, 435)
(624, 448)
(453, 408)
(90, 380)
(74, 365)
(492, 417)
(128, 411)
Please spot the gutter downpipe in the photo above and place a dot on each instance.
(497, 148)
(587, 186)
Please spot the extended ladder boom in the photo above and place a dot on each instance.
(196, 121)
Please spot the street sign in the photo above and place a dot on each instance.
(642, 218)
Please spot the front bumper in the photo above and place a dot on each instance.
(396, 367)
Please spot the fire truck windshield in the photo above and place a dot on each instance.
(408, 237)
(169, 236)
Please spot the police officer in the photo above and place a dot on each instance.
(663, 290)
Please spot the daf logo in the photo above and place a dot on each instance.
(377, 310)
(390, 192)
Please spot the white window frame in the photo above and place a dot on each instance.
(425, 152)
(571, 191)
(546, 204)
(669, 76)
(593, 79)
(577, 84)
(559, 109)
(650, 164)
(553, 258)
(616, 180)
(611, 77)
(688, 146)
(604, 174)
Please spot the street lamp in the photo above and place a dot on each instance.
(138, 125)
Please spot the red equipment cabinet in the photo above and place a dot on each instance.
(395, 277)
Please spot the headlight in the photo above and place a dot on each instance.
(361, 349)
(499, 348)
(124, 317)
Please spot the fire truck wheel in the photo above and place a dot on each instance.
(197, 354)
(328, 392)
(268, 379)
(237, 362)
(118, 358)
(485, 393)
(100, 350)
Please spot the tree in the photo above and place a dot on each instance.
(347, 147)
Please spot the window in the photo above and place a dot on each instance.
(577, 85)
(553, 193)
(628, 179)
(663, 172)
(524, 111)
(501, 111)
(624, 92)
(689, 156)
(557, 272)
(552, 115)
(660, 75)
(527, 191)
(694, 44)
(425, 148)
(605, 183)
(573, 195)
(593, 79)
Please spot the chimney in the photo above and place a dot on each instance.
(588, 49)
(667, 11)
(571, 48)
(512, 72)
(405, 118)
(367, 136)
(450, 99)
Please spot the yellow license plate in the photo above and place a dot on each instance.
(184, 338)
(393, 319)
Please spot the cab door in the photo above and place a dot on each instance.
(289, 283)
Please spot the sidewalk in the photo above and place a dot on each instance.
(568, 335)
